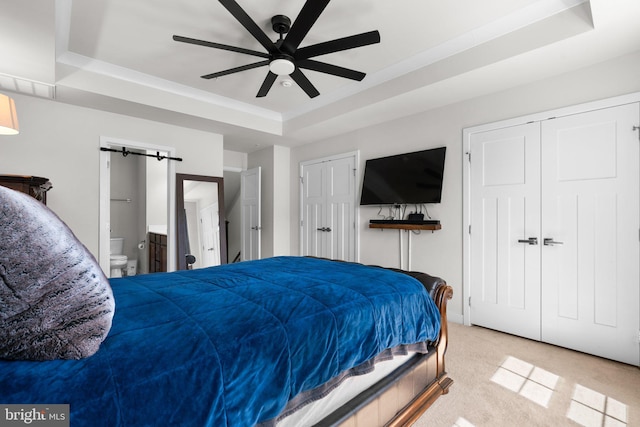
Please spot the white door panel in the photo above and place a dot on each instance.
(328, 209)
(591, 204)
(341, 211)
(313, 218)
(574, 184)
(505, 289)
(250, 195)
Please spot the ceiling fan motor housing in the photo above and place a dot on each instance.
(281, 24)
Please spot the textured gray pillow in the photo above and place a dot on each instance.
(55, 301)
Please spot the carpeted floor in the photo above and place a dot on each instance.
(503, 380)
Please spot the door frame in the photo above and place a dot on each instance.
(356, 206)
(466, 173)
(104, 218)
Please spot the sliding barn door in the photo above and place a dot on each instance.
(591, 220)
(505, 221)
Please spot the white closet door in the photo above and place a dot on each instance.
(340, 209)
(328, 208)
(590, 190)
(505, 210)
(313, 209)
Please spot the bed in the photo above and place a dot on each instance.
(245, 344)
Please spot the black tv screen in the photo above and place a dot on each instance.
(411, 178)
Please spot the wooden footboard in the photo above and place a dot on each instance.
(441, 383)
(401, 398)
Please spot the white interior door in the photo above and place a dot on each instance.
(591, 207)
(313, 210)
(250, 194)
(210, 235)
(340, 209)
(505, 215)
(328, 206)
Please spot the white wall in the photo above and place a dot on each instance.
(61, 142)
(440, 253)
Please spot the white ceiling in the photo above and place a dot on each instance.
(118, 55)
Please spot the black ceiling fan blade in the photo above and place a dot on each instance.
(266, 85)
(304, 83)
(337, 45)
(310, 64)
(248, 23)
(303, 23)
(220, 46)
(235, 70)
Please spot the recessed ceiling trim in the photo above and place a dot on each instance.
(529, 15)
(26, 86)
(125, 74)
(63, 24)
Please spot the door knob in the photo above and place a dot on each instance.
(530, 241)
(550, 242)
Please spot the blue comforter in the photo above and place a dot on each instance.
(228, 345)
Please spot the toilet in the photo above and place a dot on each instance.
(117, 260)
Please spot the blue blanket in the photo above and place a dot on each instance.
(228, 345)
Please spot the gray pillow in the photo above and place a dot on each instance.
(55, 301)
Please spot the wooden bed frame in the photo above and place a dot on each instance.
(402, 397)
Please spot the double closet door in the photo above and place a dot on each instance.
(555, 223)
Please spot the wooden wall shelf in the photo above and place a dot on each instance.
(431, 227)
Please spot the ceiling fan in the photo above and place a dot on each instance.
(283, 56)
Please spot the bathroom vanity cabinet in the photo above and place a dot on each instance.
(157, 252)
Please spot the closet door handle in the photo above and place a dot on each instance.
(327, 229)
(530, 241)
(550, 242)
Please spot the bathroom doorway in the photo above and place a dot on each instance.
(136, 199)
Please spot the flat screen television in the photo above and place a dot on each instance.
(411, 178)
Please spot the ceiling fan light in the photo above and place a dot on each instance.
(281, 67)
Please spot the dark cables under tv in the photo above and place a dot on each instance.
(405, 221)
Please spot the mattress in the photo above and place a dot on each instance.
(352, 386)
